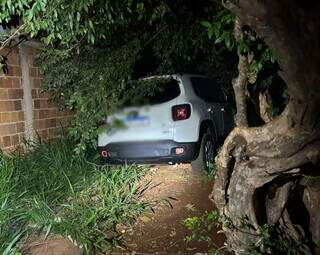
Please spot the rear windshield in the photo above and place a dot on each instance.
(164, 91)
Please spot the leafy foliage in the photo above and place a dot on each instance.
(53, 190)
(90, 84)
(201, 226)
(263, 66)
(93, 50)
(68, 23)
(272, 239)
(202, 229)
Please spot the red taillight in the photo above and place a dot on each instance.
(181, 112)
(104, 153)
(179, 151)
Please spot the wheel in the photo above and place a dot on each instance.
(206, 154)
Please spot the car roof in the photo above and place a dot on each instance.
(178, 75)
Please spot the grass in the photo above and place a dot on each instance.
(211, 171)
(10, 211)
(52, 190)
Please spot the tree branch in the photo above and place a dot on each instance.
(240, 83)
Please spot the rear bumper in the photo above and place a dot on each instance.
(149, 152)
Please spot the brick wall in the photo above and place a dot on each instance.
(46, 120)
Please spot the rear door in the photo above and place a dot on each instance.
(147, 122)
(211, 93)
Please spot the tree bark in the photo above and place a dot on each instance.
(264, 107)
(240, 83)
(261, 171)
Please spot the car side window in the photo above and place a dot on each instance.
(207, 89)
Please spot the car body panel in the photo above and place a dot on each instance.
(154, 123)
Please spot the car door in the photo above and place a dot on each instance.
(210, 92)
(215, 109)
(228, 116)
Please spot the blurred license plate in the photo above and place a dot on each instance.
(139, 120)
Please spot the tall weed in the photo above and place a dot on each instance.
(51, 189)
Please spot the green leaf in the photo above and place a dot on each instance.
(228, 41)
(78, 16)
(9, 248)
(206, 24)
(219, 39)
(210, 32)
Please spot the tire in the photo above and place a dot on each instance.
(206, 154)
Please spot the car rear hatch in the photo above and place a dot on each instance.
(151, 122)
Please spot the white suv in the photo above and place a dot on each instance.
(184, 122)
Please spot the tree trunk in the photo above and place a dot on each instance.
(270, 174)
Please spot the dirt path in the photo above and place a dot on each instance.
(163, 231)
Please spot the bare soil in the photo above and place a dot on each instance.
(53, 245)
(162, 232)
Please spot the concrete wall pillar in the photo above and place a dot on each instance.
(27, 96)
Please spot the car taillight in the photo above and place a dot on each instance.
(181, 112)
(104, 153)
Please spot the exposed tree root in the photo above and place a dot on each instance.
(258, 188)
